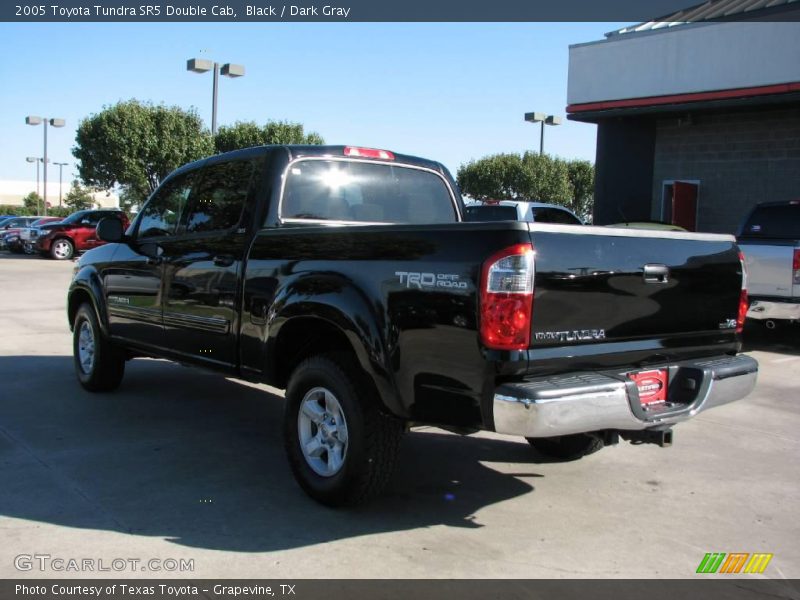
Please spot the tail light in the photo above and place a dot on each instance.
(506, 298)
(743, 302)
(796, 267)
(368, 153)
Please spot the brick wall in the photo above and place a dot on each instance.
(740, 159)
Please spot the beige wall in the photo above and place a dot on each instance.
(12, 192)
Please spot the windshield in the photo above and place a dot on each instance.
(779, 222)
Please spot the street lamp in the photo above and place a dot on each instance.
(537, 117)
(33, 120)
(201, 65)
(60, 171)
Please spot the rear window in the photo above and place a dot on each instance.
(490, 213)
(554, 215)
(781, 222)
(335, 190)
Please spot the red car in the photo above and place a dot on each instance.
(74, 234)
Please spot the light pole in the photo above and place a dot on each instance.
(201, 65)
(34, 159)
(537, 117)
(33, 120)
(60, 172)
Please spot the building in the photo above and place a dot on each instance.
(697, 120)
(12, 193)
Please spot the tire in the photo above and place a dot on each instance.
(353, 457)
(567, 447)
(62, 249)
(99, 365)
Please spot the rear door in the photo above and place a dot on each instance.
(203, 264)
(684, 205)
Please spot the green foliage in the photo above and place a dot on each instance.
(136, 145)
(59, 211)
(32, 203)
(10, 209)
(581, 180)
(78, 197)
(245, 134)
(130, 199)
(530, 176)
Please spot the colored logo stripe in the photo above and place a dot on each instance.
(713, 562)
(757, 563)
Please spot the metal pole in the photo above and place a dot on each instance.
(60, 171)
(541, 141)
(44, 182)
(214, 101)
(37, 177)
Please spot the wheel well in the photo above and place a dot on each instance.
(77, 298)
(301, 338)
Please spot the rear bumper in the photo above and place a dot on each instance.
(767, 309)
(592, 401)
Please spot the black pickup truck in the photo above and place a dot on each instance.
(345, 276)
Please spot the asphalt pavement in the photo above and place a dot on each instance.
(188, 466)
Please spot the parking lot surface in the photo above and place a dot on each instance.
(184, 464)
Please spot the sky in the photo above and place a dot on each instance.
(451, 92)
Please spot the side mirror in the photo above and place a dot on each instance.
(110, 230)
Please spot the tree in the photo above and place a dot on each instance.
(135, 145)
(581, 180)
(79, 197)
(245, 134)
(33, 203)
(530, 176)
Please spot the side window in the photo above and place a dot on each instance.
(162, 213)
(220, 196)
(554, 215)
(93, 218)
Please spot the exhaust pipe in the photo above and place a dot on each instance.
(660, 437)
(770, 324)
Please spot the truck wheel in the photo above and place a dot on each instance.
(99, 365)
(62, 249)
(567, 447)
(342, 449)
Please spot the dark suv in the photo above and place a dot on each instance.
(74, 234)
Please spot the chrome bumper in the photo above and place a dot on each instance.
(764, 309)
(591, 401)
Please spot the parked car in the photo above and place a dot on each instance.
(74, 234)
(518, 210)
(344, 276)
(770, 240)
(28, 235)
(9, 231)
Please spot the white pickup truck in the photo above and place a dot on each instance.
(770, 241)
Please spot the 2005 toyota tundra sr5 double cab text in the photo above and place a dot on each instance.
(344, 276)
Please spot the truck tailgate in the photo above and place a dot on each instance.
(770, 267)
(600, 285)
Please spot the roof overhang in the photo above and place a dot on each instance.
(593, 112)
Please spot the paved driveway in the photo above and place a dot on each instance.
(182, 464)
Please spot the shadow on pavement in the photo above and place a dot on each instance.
(198, 459)
(784, 339)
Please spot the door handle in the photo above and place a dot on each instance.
(655, 273)
(223, 260)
